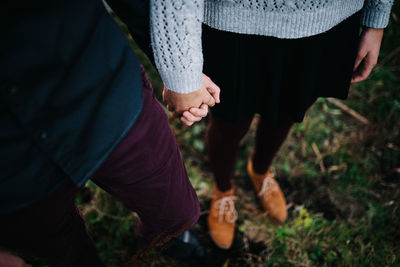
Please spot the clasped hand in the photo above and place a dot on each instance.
(192, 107)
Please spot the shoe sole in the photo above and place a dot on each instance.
(215, 243)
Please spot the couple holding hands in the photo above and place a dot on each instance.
(76, 106)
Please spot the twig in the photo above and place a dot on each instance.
(345, 108)
(319, 157)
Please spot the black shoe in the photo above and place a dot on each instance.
(187, 248)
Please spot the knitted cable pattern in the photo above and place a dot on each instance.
(176, 40)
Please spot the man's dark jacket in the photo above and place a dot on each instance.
(70, 88)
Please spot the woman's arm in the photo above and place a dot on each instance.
(175, 28)
(375, 17)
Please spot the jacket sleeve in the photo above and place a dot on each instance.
(376, 13)
(135, 14)
(175, 28)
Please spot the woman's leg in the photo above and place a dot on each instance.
(223, 139)
(268, 141)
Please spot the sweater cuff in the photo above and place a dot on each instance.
(183, 82)
(375, 18)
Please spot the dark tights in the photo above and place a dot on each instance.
(223, 141)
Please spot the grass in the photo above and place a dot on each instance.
(340, 177)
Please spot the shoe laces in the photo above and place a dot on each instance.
(268, 186)
(226, 209)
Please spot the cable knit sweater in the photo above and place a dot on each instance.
(175, 27)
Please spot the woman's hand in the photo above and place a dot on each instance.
(368, 52)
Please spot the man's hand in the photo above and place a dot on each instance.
(368, 52)
(194, 114)
(197, 102)
(8, 260)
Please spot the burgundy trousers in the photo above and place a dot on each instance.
(145, 171)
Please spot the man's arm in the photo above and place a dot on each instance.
(135, 14)
(174, 29)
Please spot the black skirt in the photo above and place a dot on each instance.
(268, 75)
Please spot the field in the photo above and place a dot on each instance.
(341, 176)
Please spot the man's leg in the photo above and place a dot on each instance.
(51, 229)
(146, 172)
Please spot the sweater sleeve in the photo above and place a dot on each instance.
(376, 13)
(175, 28)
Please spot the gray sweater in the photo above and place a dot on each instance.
(176, 27)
